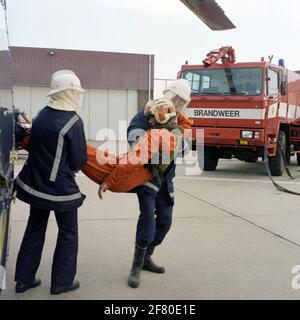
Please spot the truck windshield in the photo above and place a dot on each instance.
(229, 81)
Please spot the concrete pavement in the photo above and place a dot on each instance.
(233, 237)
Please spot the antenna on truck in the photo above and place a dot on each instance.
(271, 58)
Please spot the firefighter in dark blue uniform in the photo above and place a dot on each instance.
(156, 200)
(57, 149)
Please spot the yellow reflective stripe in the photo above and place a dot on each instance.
(3, 231)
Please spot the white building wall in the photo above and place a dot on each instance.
(22, 99)
(98, 111)
(117, 111)
(102, 108)
(5, 98)
(38, 99)
(132, 106)
(84, 113)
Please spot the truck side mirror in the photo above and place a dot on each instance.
(179, 75)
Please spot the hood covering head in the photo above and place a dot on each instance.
(67, 100)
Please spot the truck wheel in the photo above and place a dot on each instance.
(210, 159)
(298, 159)
(276, 163)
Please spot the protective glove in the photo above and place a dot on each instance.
(102, 188)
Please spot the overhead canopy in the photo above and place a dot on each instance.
(210, 13)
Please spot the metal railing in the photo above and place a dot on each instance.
(161, 84)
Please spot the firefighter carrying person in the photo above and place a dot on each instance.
(156, 196)
(156, 200)
(162, 141)
(57, 149)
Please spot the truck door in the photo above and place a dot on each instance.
(272, 93)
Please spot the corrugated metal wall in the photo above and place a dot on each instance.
(96, 69)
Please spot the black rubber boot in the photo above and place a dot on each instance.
(149, 263)
(137, 264)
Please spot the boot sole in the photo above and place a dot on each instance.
(28, 288)
(153, 271)
(66, 290)
(133, 284)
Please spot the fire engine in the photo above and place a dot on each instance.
(244, 108)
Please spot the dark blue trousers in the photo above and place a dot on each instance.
(155, 217)
(65, 256)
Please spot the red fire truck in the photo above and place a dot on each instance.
(244, 108)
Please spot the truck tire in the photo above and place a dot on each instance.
(210, 159)
(298, 159)
(276, 163)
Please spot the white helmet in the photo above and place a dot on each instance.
(64, 80)
(181, 88)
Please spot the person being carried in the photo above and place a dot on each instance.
(148, 158)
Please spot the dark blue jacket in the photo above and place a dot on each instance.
(137, 127)
(57, 149)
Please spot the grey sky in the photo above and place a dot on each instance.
(165, 28)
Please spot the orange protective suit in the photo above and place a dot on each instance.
(127, 171)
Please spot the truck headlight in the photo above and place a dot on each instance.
(247, 134)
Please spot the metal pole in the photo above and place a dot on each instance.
(150, 76)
